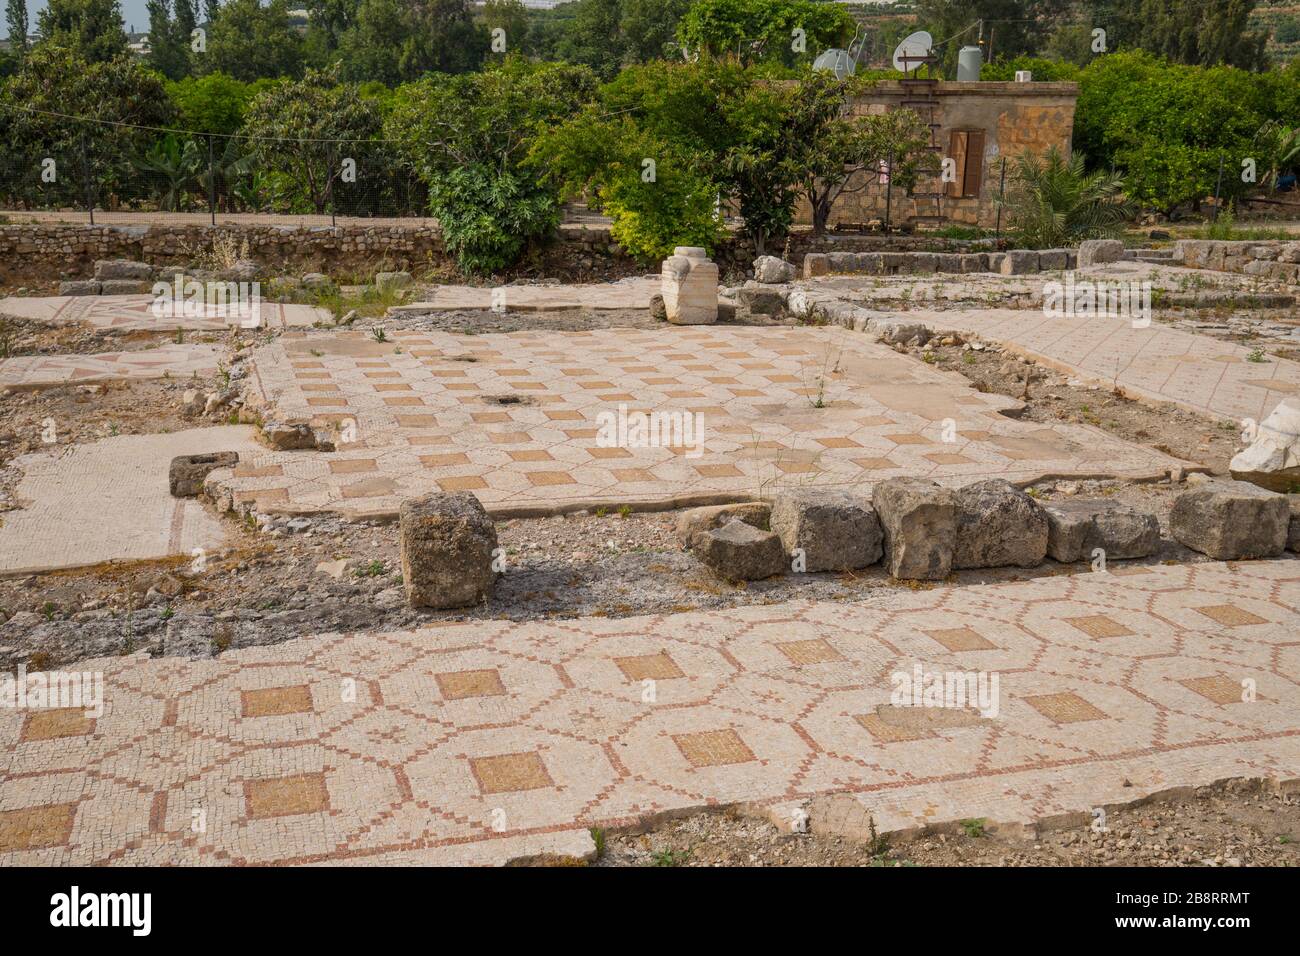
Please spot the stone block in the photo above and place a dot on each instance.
(186, 475)
(1099, 251)
(771, 270)
(919, 521)
(448, 545)
(1078, 526)
(835, 531)
(998, 525)
(79, 287)
(694, 520)
(123, 269)
(740, 552)
(1231, 520)
(690, 287)
(816, 264)
(392, 281)
(1019, 262)
(1053, 260)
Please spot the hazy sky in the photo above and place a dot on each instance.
(133, 14)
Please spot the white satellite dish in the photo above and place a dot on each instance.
(915, 46)
(839, 62)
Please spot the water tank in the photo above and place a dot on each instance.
(969, 61)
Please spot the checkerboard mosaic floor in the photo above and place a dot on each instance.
(481, 742)
(132, 313)
(166, 361)
(516, 418)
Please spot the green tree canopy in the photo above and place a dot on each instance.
(764, 29)
(91, 28)
(249, 41)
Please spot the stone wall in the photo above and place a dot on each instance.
(55, 251)
(1014, 118)
(52, 252)
(1269, 260)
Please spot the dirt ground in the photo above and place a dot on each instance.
(1236, 823)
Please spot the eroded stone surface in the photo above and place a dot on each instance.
(919, 521)
(740, 552)
(1231, 520)
(448, 546)
(998, 525)
(834, 531)
(1078, 526)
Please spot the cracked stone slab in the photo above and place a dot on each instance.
(133, 313)
(167, 361)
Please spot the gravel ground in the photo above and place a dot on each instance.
(1236, 823)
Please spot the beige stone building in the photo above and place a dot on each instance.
(976, 124)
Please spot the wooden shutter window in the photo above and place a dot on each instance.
(957, 147)
(973, 167)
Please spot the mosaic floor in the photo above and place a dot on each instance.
(625, 294)
(481, 742)
(166, 361)
(516, 418)
(132, 313)
(1158, 362)
(109, 501)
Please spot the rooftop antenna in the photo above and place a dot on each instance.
(912, 51)
(840, 61)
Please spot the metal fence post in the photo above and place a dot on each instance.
(889, 190)
(1218, 184)
(212, 183)
(1002, 195)
(85, 179)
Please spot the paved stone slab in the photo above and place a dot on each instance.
(480, 742)
(166, 361)
(135, 312)
(624, 294)
(1198, 372)
(517, 418)
(109, 500)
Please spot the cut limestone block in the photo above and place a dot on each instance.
(392, 281)
(1078, 526)
(834, 531)
(1053, 260)
(694, 520)
(124, 287)
(1273, 459)
(740, 552)
(1231, 520)
(448, 544)
(690, 287)
(187, 472)
(123, 269)
(816, 264)
(1097, 251)
(79, 287)
(1019, 262)
(919, 521)
(998, 525)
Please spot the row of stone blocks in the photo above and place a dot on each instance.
(922, 530)
(1269, 260)
(1013, 263)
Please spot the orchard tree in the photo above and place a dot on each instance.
(785, 31)
(214, 103)
(398, 40)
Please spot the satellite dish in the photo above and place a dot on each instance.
(839, 62)
(913, 47)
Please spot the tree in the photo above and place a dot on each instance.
(16, 20)
(304, 129)
(214, 103)
(248, 41)
(398, 40)
(764, 29)
(168, 53)
(1011, 27)
(467, 137)
(511, 17)
(1055, 202)
(118, 98)
(91, 28)
(1193, 32)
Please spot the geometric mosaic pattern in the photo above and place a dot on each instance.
(1158, 362)
(166, 361)
(131, 313)
(481, 742)
(515, 419)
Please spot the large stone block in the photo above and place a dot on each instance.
(998, 525)
(835, 531)
(1231, 520)
(762, 300)
(392, 281)
(1293, 534)
(694, 520)
(124, 287)
(919, 521)
(1078, 526)
(974, 262)
(690, 287)
(123, 269)
(448, 544)
(1020, 262)
(1053, 260)
(740, 552)
(79, 287)
(187, 472)
(815, 264)
(1098, 251)
(1273, 459)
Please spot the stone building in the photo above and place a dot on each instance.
(976, 124)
